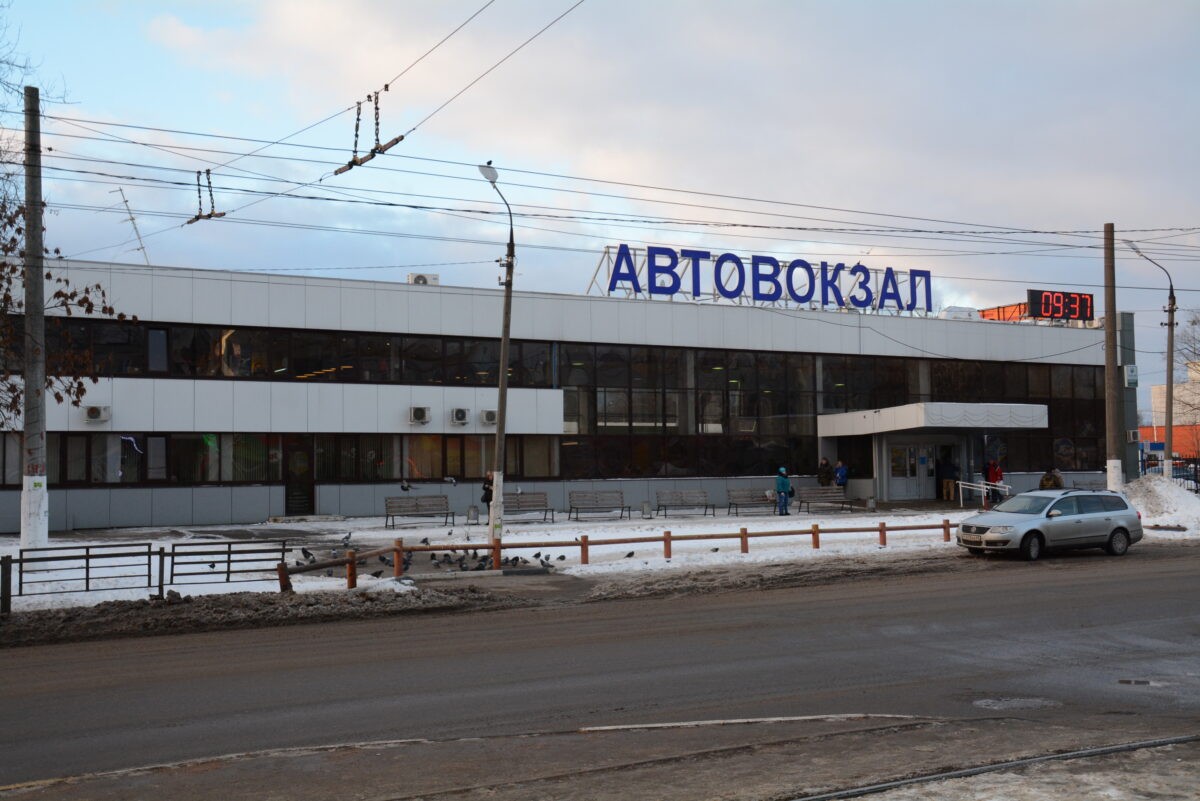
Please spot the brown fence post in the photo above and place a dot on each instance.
(495, 554)
(583, 549)
(285, 581)
(398, 559)
(745, 540)
(666, 545)
(816, 535)
(6, 563)
(945, 530)
(351, 570)
(882, 534)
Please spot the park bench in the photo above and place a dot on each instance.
(418, 506)
(528, 502)
(685, 499)
(597, 501)
(749, 497)
(827, 495)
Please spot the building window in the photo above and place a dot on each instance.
(424, 457)
(194, 458)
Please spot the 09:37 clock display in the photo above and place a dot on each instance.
(1054, 304)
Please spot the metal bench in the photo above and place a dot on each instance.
(807, 496)
(528, 502)
(749, 497)
(420, 506)
(597, 501)
(685, 499)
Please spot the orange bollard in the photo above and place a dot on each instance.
(816, 535)
(285, 581)
(945, 530)
(398, 559)
(666, 545)
(745, 541)
(496, 554)
(351, 570)
(583, 550)
(882, 534)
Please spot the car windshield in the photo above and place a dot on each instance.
(1024, 504)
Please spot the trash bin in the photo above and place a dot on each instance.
(647, 512)
(472, 515)
(871, 504)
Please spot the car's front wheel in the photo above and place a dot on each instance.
(1031, 547)
(1118, 543)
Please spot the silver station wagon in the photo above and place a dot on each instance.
(1061, 518)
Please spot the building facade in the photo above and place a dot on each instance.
(242, 396)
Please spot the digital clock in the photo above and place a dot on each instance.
(1053, 304)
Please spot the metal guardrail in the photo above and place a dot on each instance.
(225, 562)
(138, 565)
(983, 488)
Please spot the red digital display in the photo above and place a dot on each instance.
(1053, 304)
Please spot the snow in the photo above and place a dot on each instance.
(1161, 502)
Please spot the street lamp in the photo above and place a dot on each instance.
(1170, 411)
(496, 510)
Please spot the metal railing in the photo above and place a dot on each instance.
(225, 562)
(984, 488)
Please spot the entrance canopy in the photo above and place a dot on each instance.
(914, 416)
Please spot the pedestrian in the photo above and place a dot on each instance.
(486, 497)
(950, 481)
(840, 474)
(824, 473)
(994, 475)
(1051, 480)
(783, 491)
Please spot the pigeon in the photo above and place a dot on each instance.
(480, 566)
(452, 480)
(519, 490)
(432, 557)
(307, 554)
(405, 486)
(562, 557)
(329, 572)
(629, 555)
(383, 559)
(537, 555)
(450, 533)
(377, 574)
(346, 539)
(545, 563)
(425, 540)
(212, 565)
(524, 561)
(475, 554)
(714, 550)
(299, 563)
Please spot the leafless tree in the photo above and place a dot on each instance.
(71, 365)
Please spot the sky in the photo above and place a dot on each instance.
(1051, 116)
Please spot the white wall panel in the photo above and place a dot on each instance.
(549, 411)
(322, 307)
(129, 291)
(360, 408)
(214, 405)
(357, 309)
(212, 300)
(285, 303)
(425, 311)
(393, 408)
(391, 309)
(252, 406)
(174, 405)
(325, 408)
(250, 301)
(289, 407)
(486, 313)
(132, 404)
(172, 297)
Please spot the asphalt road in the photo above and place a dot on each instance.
(1073, 637)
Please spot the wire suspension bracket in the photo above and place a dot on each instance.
(378, 148)
(212, 213)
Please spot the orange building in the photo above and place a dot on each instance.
(1185, 439)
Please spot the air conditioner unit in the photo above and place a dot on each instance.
(418, 415)
(423, 279)
(1133, 435)
(460, 417)
(97, 414)
(488, 417)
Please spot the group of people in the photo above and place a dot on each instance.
(827, 475)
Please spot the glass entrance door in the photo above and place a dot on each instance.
(910, 472)
(299, 493)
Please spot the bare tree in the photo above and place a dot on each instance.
(71, 364)
(1187, 371)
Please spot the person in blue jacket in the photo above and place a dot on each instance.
(783, 490)
(840, 474)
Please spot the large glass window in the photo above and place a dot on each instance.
(76, 461)
(530, 364)
(194, 458)
(577, 410)
(117, 458)
(612, 366)
(251, 457)
(576, 365)
(612, 410)
(424, 457)
(378, 358)
(647, 410)
(422, 359)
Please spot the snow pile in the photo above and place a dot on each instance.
(1164, 503)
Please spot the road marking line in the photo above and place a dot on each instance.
(739, 721)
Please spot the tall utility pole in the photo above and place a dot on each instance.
(35, 506)
(1168, 443)
(1114, 442)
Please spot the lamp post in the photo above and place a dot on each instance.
(496, 510)
(1170, 404)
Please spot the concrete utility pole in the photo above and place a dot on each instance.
(35, 500)
(1114, 442)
